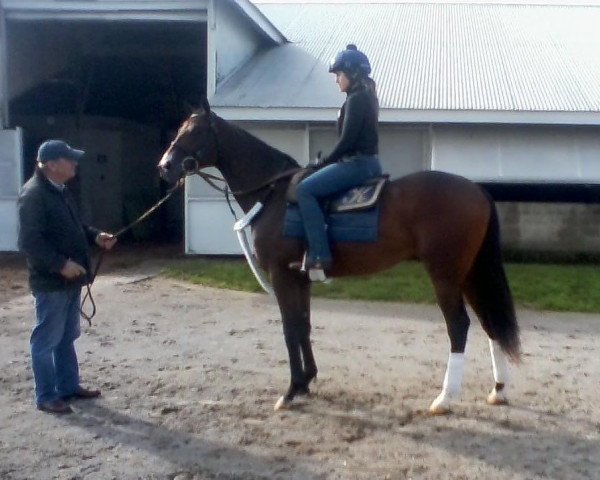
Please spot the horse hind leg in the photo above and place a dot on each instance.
(500, 365)
(501, 375)
(450, 300)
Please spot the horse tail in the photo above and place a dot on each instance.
(489, 292)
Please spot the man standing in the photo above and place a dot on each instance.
(56, 245)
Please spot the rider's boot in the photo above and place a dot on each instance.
(316, 268)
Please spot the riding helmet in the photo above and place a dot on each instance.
(351, 60)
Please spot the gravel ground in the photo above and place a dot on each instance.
(189, 377)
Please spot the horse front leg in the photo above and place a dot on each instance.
(293, 296)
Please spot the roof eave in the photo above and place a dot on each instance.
(260, 20)
(389, 115)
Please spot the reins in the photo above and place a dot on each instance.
(210, 179)
(270, 182)
(180, 183)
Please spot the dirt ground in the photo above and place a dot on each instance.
(189, 377)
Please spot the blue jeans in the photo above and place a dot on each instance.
(325, 182)
(53, 356)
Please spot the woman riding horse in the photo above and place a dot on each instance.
(445, 221)
(352, 161)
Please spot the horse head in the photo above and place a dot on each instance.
(194, 146)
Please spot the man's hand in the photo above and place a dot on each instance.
(106, 240)
(72, 270)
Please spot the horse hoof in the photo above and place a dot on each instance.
(281, 404)
(440, 406)
(497, 398)
(439, 410)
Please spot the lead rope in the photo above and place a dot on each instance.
(180, 183)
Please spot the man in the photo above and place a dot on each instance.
(56, 245)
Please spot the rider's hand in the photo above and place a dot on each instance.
(106, 240)
(317, 162)
(322, 162)
(72, 270)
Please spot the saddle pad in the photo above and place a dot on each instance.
(358, 198)
(361, 227)
(362, 197)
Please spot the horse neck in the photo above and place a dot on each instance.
(247, 162)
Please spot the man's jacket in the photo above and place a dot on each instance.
(50, 232)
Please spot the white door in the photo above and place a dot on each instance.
(11, 154)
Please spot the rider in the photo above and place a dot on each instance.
(352, 161)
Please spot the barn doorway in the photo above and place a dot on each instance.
(118, 90)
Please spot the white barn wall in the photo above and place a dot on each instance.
(11, 149)
(232, 41)
(402, 149)
(518, 153)
(534, 154)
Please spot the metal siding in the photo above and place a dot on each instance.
(11, 154)
(460, 56)
(401, 149)
(518, 154)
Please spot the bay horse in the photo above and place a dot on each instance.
(446, 221)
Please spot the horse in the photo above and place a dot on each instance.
(445, 221)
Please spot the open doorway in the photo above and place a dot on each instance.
(118, 90)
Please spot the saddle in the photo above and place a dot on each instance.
(358, 198)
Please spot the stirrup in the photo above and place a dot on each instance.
(316, 273)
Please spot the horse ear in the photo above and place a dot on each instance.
(205, 105)
(194, 104)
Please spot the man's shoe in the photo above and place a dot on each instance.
(56, 406)
(83, 394)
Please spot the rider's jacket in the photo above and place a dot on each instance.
(357, 125)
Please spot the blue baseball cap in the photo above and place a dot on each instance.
(55, 149)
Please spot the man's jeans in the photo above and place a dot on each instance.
(53, 357)
(330, 179)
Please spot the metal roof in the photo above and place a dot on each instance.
(432, 57)
(285, 76)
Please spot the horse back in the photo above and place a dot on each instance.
(439, 211)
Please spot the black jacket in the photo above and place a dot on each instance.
(357, 125)
(50, 232)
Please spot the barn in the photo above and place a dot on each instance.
(505, 94)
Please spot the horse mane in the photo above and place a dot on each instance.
(263, 156)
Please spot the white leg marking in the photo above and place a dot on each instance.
(452, 384)
(501, 374)
(281, 404)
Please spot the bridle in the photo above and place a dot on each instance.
(210, 179)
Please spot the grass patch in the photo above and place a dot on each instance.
(544, 287)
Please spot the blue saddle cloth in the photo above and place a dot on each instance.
(361, 226)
